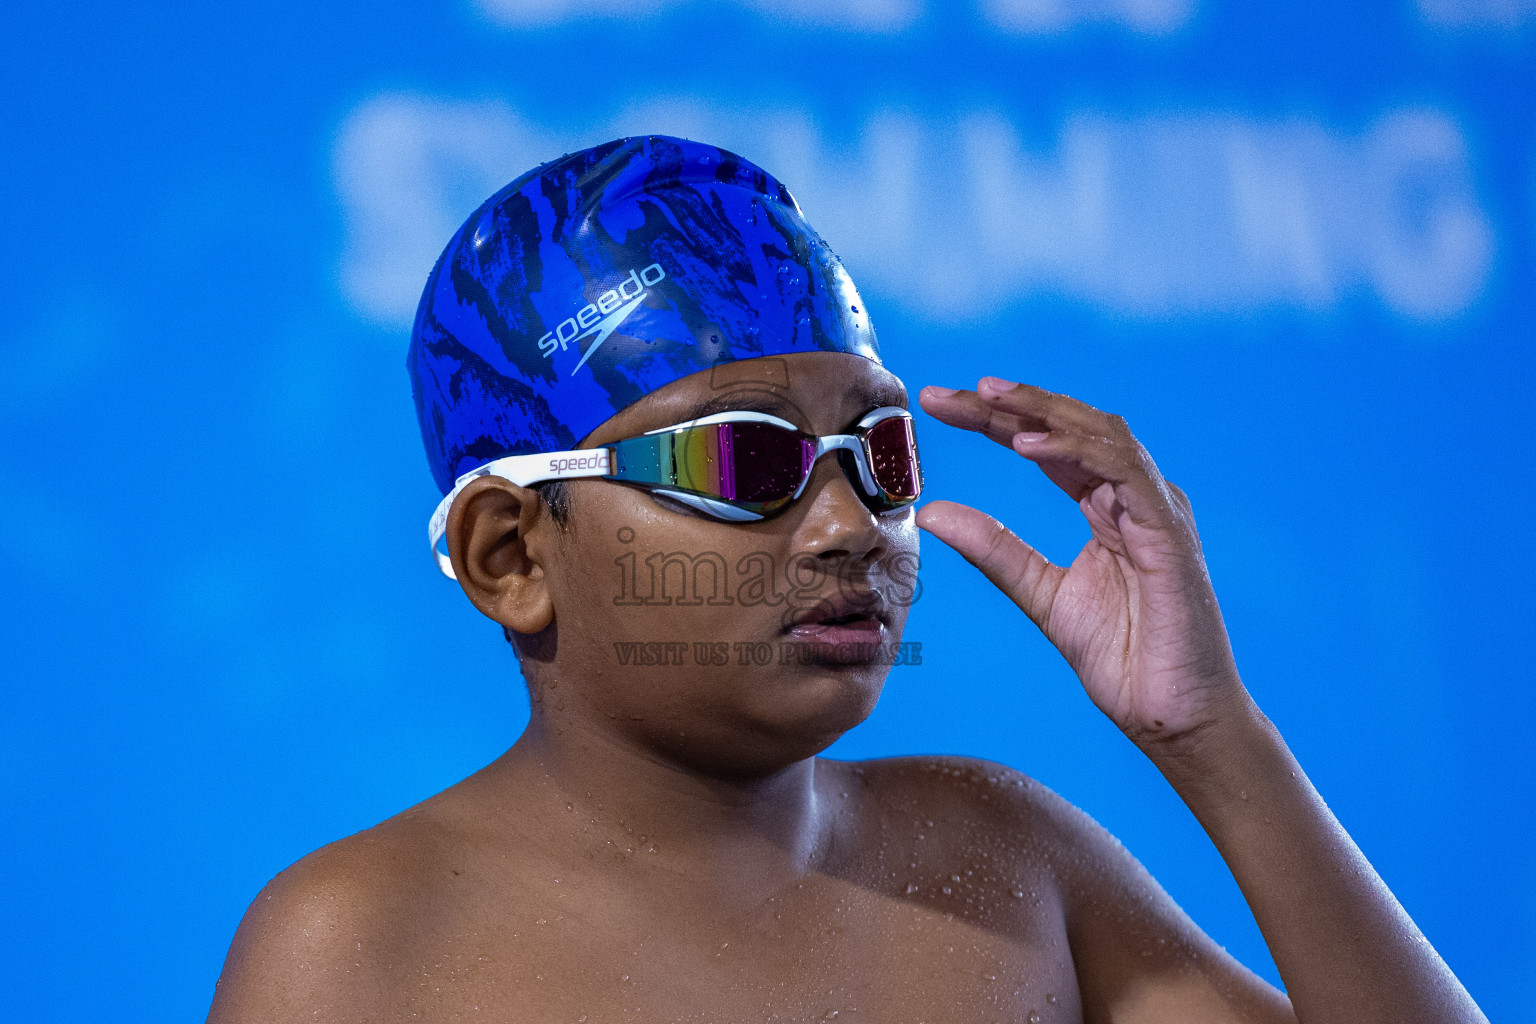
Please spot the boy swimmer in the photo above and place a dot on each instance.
(641, 351)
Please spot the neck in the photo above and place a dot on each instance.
(625, 796)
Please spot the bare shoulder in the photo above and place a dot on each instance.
(975, 804)
(988, 801)
(325, 931)
(1136, 954)
(966, 824)
(979, 799)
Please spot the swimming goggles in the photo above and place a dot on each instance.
(737, 466)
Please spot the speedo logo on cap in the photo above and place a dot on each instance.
(601, 318)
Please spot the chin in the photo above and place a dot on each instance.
(779, 721)
(805, 711)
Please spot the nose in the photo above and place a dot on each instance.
(836, 524)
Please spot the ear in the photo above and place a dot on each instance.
(497, 543)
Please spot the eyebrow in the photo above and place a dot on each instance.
(750, 401)
(876, 396)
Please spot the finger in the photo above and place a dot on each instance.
(1079, 464)
(1017, 569)
(1185, 511)
(967, 410)
(1078, 447)
(1056, 411)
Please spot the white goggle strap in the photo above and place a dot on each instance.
(523, 470)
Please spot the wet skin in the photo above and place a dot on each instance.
(662, 843)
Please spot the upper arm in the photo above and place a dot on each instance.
(1139, 958)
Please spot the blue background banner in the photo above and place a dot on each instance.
(1294, 246)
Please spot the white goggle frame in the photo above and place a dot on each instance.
(527, 470)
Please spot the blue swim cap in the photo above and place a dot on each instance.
(599, 277)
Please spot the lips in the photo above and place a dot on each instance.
(840, 620)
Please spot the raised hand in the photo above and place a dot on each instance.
(1134, 614)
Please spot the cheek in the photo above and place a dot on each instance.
(633, 571)
(902, 561)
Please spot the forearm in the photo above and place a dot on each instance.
(1346, 950)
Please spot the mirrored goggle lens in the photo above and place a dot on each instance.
(751, 464)
(892, 449)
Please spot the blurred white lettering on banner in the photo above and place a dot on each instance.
(1478, 14)
(1022, 17)
(408, 170)
(1185, 214)
(1044, 17)
(860, 15)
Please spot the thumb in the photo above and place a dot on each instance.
(1015, 568)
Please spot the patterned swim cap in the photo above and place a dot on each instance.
(599, 277)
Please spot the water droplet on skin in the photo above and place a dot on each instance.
(948, 891)
(911, 888)
(1050, 998)
(1034, 1017)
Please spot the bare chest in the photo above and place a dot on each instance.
(831, 951)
